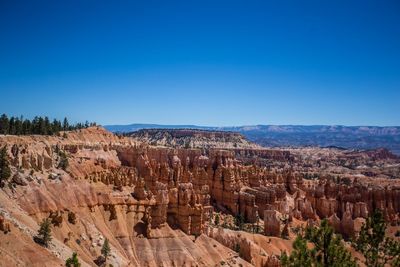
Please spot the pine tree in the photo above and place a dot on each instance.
(5, 171)
(4, 124)
(105, 249)
(329, 246)
(216, 219)
(44, 234)
(301, 255)
(73, 261)
(41, 126)
(56, 126)
(47, 126)
(377, 249)
(239, 221)
(328, 249)
(65, 124)
(26, 127)
(63, 164)
(11, 129)
(18, 125)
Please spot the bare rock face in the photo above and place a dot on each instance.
(186, 210)
(159, 212)
(347, 222)
(272, 224)
(253, 252)
(247, 206)
(360, 210)
(326, 207)
(305, 208)
(140, 192)
(335, 222)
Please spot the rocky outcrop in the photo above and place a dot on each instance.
(272, 224)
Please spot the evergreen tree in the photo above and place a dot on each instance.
(47, 126)
(18, 125)
(328, 249)
(239, 221)
(44, 235)
(63, 164)
(5, 171)
(216, 219)
(56, 126)
(41, 128)
(377, 249)
(65, 124)
(73, 261)
(26, 127)
(301, 255)
(11, 129)
(105, 249)
(4, 124)
(35, 125)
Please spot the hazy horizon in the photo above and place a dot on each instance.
(247, 125)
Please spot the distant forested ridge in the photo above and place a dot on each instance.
(38, 125)
(350, 137)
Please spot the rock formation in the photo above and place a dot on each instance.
(154, 203)
(272, 224)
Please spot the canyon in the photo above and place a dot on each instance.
(174, 197)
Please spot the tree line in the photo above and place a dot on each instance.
(38, 125)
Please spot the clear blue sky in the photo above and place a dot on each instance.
(202, 62)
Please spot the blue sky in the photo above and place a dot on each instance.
(202, 62)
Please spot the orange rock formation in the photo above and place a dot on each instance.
(156, 204)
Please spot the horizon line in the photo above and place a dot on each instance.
(248, 125)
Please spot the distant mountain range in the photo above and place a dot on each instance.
(352, 137)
